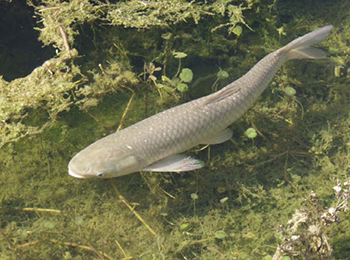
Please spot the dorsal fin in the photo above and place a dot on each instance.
(222, 94)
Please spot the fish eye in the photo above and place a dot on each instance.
(100, 174)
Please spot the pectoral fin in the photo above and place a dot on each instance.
(175, 163)
(219, 137)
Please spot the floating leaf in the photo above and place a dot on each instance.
(49, 224)
(165, 79)
(222, 74)
(153, 78)
(179, 55)
(290, 91)
(281, 31)
(251, 133)
(186, 75)
(220, 234)
(185, 226)
(22, 232)
(67, 255)
(165, 87)
(182, 87)
(79, 220)
(223, 200)
(194, 196)
(237, 30)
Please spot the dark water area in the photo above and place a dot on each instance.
(20, 50)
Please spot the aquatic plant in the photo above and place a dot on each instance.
(66, 80)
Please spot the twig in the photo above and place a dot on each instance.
(123, 251)
(65, 39)
(256, 129)
(40, 210)
(122, 199)
(89, 248)
(127, 108)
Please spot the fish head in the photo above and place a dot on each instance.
(102, 163)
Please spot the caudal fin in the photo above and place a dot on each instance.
(301, 48)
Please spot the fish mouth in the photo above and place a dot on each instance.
(71, 173)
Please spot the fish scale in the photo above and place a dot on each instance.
(155, 143)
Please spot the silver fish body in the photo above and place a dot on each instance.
(154, 144)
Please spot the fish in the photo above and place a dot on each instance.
(157, 143)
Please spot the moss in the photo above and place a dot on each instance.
(154, 13)
(70, 79)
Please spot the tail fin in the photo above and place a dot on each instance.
(301, 48)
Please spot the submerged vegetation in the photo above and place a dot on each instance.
(70, 79)
(279, 190)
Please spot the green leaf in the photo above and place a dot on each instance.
(237, 30)
(185, 226)
(22, 232)
(223, 200)
(165, 87)
(290, 91)
(186, 75)
(194, 196)
(251, 133)
(49, 224)
(285, 258)
(179, 55)
(222, 74)
(165, 79)
(220, 234)
(182, 87)
(79, 220)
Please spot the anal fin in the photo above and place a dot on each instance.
(219, 138)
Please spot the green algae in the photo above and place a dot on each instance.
(107, 61)
(303, 145)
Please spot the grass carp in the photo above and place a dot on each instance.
(156, 143)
